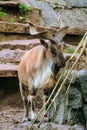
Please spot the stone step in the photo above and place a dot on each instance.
(7, 27)
(20, 28)
(19, 44)
(9, 60)
(12, 51)
(11, 56)
(8, 70)
(14, 56)
(10, 3)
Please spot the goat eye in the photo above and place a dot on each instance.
(53, 51)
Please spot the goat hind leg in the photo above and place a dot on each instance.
(25, 101)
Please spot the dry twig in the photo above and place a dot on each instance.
(82, 44)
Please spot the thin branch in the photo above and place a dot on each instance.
(68, 74)
(82, 43)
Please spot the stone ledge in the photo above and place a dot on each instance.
(9, 3)
(6, 27)
(8, 70)
(76, 31)
(19, 44)
(11, 56)
(19, 28)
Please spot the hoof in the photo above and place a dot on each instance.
(25, 119)
(32, 115)
(46, 119)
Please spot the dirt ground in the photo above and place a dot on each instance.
(11, 108)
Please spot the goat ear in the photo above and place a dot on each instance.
(42, 42)
(58, 36)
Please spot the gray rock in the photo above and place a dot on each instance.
(31, 3)
(70, 109)
(76, 3)
(71, 17)
(48, 14)
(83, 80)
(78, 127)
(53, 126)
(57, 3)
(75, 98)
(75, 17)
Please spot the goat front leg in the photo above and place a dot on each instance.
(45, 98)
(25, 101)
(32, 113)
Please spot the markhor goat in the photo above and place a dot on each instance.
(38, 69)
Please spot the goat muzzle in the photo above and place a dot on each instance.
(55, 68)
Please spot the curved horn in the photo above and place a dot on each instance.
(58, 36)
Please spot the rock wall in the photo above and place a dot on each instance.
(72, 12)
(71, 108)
